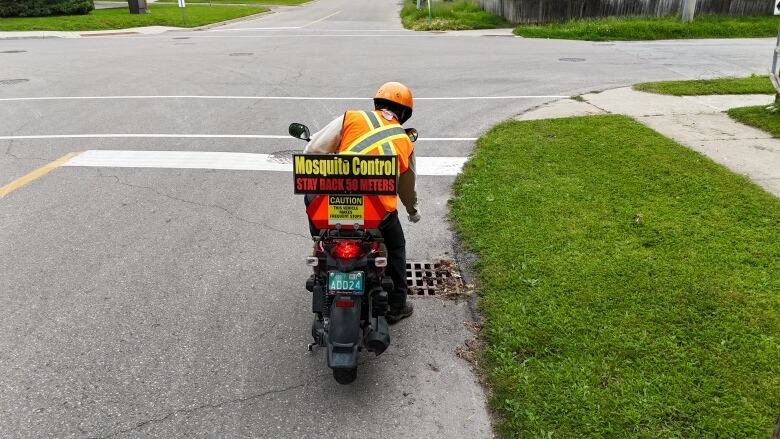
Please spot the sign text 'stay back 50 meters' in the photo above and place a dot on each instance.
(345, 174)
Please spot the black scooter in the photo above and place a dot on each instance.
(349, 291)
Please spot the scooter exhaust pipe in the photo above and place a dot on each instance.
(378, 338)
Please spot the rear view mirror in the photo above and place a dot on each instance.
(412, 133)
(299, 131)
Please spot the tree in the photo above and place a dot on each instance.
(42, 8)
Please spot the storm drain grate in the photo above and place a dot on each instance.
(12, 81)
(241, 54)
(283, 157)
(432, 278)
(572, 59)
(181, 38)
(13, 51)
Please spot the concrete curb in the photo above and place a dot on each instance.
(32, 35)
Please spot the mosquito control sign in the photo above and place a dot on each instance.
(347, 187)
(335, 174)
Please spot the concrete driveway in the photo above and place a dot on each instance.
(168, 301)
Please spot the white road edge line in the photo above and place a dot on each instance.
(410, 34)
(366, 35)
(145, 136)
(253, 28)
(237, 161)
(196, 136)
(274, 98)
(244, 29)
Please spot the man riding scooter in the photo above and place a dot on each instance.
(380, 132)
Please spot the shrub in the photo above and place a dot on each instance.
(42, 8)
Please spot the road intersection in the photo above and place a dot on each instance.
(167, 301)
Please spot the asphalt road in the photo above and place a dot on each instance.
(169, 302)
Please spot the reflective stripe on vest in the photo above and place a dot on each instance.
(387, 148)
(365, 132)
(380, 137)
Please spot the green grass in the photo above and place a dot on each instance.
(648, 28)
(243, 2)
(456, 15)
(724, 86)
(630, 287)
(761, 117)
(120, 18)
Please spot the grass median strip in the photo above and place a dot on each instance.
(760, 117)
(653, 28)
(630, 286)
(754, 84)
(454, 15)
(120, 18)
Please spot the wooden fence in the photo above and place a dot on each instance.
(544, 11)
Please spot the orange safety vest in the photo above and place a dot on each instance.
(376, 132)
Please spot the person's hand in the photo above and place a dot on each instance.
(414, 218)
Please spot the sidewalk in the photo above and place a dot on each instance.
(147, 30)
(698, 122)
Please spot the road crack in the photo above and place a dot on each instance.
(243, 400)
(189, 411)
(11, 144)
(16, 157)
(229, 212)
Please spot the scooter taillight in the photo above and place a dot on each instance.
(344, 303)
(347, 249)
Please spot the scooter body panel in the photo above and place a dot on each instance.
(344, 334)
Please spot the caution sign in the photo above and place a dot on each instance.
(335, 174)
(343, 209)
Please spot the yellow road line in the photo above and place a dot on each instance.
(321, 19)
(43, 170)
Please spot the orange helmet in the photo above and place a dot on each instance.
(397, 97)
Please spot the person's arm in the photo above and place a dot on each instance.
(326, 140)
(406, 188)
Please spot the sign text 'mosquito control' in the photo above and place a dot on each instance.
(345, 174)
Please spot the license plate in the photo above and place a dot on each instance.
(346, 282)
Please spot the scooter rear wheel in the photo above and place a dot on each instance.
(344, 376)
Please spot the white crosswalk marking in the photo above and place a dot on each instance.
(432, 166)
